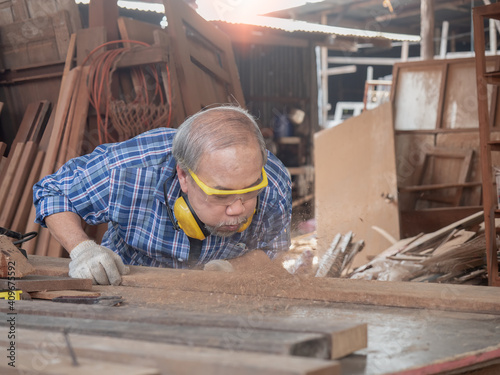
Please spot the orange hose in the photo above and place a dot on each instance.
(100, 74)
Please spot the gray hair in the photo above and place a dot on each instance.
(215, 129)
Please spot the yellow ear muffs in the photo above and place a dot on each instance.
(186, 220)
(247, 224)
(189, 222)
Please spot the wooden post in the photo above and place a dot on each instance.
(405, 48)
(105, 13)
(324, 79)
(493, 36)
(427, 29)
(443, 47)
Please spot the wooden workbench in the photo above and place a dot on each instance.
(412, 328)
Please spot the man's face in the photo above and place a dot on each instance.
(233, 168)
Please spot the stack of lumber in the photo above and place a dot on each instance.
(104, 84)
(147, 341)
(454, 254)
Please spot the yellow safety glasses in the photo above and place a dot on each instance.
(228, 197)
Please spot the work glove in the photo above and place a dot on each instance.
(92, 261)
(219, 265)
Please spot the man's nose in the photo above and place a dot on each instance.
(236, 208)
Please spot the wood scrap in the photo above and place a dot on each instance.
(13, 264)
(35, 283)
(51, 294)
(340, 253)
(450, 255)
(328, 258)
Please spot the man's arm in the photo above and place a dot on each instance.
(88, 259)
(67, 229)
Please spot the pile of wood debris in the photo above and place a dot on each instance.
(455, 254)
(304, 260)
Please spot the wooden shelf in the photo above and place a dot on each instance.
(494, 145)
(480, 15)
(492, 78)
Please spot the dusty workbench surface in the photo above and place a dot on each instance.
(399, 338)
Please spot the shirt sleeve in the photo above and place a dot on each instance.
(276, 235)
(80, 186)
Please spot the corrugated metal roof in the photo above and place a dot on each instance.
(295, 25)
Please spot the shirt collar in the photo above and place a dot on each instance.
(168, 176)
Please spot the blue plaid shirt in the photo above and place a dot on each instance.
(122, 184)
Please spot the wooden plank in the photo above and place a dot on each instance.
(344, 338)
(141, 55)
(19, 222)
(62, 364)
(79, 119)
(28, 121)
(459, 238)
(3, 158)
(334, 202)
(131, 29)
(62, 32)
(172, 359)
(269, 342)
(60, 116)
(87, 40)
(409, 189)
(51, 294)
(18, 183)
(70, 55)
(465, 298)
(205, 38)
(41, 121)
(170, 83)
(35, 283)
(11, 170)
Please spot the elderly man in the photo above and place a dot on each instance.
(172, 198)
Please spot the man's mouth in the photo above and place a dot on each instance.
(229, 228)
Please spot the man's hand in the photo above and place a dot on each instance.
(219, 265)
(92, 261)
